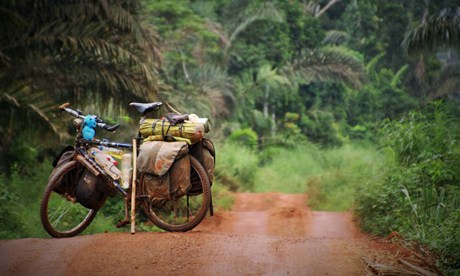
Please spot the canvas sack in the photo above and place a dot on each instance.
(164, 169)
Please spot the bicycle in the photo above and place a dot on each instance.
(79, 186)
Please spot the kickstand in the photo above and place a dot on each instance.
(126, 220)
(211, 208)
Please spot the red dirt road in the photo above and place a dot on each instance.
(264, 234)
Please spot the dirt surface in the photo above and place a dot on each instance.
(264, 234)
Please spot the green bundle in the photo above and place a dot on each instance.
(162, 130)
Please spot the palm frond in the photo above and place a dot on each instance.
(11, 25)
(23, 105)
(443, 29)
(69, 37)
(254, 82)
(215, 84)
(259, 121)
(264, 11)
(399, 75)
(271, 77)
(370, 67)
(79, 60)
(331, 64)
(336, 37)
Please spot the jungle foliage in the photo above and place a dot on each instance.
(319, 88)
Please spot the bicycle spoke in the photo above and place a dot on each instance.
(61, 214)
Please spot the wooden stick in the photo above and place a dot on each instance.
(133, 189)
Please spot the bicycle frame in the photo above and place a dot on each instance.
(90, 164)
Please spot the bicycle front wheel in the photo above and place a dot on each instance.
(185, 213)
(61, 215)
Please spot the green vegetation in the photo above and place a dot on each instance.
(310, 96)
(419, 195)
(235, 167)
(331, 177)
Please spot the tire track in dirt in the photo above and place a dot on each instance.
(281, 215)
(277, 234)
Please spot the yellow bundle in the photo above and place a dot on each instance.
(162, 130)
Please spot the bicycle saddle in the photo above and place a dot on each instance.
(145, 108)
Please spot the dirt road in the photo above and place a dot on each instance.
(264, 234)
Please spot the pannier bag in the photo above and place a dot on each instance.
(87, 192)
(205, 153)
(165, 170)
(92, 190)
(162, 130)
(65, 156)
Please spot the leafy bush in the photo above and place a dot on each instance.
(320, 127)
(245, 136)
(343, 171)
(236, 166)
(420, 196)
(221, 197)
(424, 140)
(329, 176)
(288, 169)
(10, 217)
(444, 239)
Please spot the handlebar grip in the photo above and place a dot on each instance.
(108, 127)
(64, 105)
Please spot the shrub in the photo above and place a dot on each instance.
(10, 218)
(288, 169)
(420, 196)
(245, 136)
(236, 166)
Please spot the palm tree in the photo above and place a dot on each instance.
(80, 48)
(208, 92)
(86, 51)
(438, 31)
(265, 84)
(201, 82)
(327, 64)
(441, 30)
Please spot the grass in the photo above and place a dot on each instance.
(329, 176)
(29, 191)
(345, 170)
(221, 197)
(288, 170)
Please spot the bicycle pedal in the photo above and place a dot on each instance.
(122, 223)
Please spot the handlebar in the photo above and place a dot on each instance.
(100, 123)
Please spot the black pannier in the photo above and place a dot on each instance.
(65, 156)
(87, 193)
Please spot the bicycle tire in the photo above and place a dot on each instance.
(161, 216)
(61, 211)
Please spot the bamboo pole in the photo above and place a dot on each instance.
(133, 189)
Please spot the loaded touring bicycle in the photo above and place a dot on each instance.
(167, 171)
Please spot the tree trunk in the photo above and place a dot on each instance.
(266, 97)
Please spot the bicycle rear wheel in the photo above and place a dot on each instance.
(186, 212)
(60, 213)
